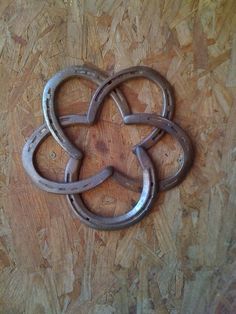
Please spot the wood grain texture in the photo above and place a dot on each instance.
(179, 259)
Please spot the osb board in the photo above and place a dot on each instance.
(179, 259)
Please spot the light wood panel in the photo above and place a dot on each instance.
(179, 259)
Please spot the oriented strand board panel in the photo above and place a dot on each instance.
(182, 257)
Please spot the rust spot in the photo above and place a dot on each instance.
(101, 146)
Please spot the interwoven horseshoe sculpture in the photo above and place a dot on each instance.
(72, 186)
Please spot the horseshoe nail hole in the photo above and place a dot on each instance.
(71, 199)
(151, 183)
(58, 135)
(87, 219)
(73, 189)
(30, 147)
(172, 128)
(33, 140)
(46, 185)
(97, 97)
(68, 177)
(155, 136)
(180, 160)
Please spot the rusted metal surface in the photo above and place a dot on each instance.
(28, 155)
(48, 103)
(72, 185)
(148, 194)
(179, 134)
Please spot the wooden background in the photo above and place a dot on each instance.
(179, 259)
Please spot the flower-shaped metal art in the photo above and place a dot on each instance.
(73, 186)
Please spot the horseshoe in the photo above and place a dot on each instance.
(178, 133)
(28, 154)
(148, 194)
(48, 103)
(139, 71)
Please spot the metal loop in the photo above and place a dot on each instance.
(28, 154)
(148, 194)
(48, 103)
(178, 133)
(134, 72)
